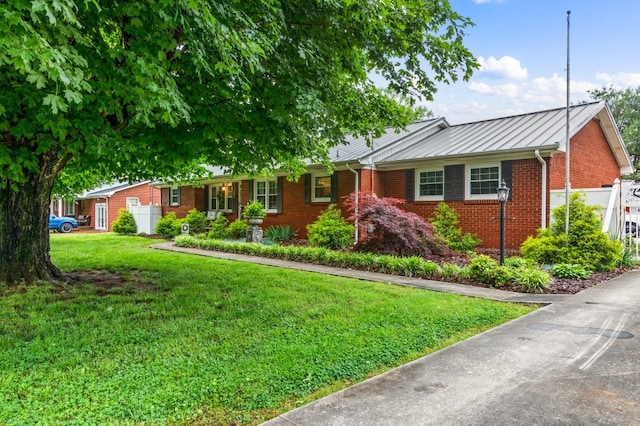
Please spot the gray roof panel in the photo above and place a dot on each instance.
(534, 130)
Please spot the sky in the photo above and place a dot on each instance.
(522, 48)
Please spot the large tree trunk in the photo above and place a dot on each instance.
(24, 233)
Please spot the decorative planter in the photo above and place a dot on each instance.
(255, 220)
(254, 232)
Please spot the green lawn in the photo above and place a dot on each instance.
(196, 340)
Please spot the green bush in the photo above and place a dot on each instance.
(330, 230)
(280, 233)
(533, 280)
(585, 244)
(237, 229)
(484, 269)
(168, 226)
(445, 220)
(570, 270)
(197, 221)
(219, 229)
(125, 223)
(449, 270)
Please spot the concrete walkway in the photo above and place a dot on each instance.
(575, 361)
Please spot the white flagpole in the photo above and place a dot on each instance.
(567, 184)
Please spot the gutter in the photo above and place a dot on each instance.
(355, 214)
(543, 219)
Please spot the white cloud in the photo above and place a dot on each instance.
(621, 80)
(506, 66)
(487, 1)
(509, 90)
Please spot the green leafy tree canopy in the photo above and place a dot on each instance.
(98, 90)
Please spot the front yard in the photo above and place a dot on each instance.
(152, 337)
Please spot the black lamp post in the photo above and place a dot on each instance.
(503, 195)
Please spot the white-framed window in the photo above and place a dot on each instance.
(430, 184)
(221, 197)
(321, 187)
(174, 196)
(483, 181)
(132, 201)
(266, 191)
(68, 208)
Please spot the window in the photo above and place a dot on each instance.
(221, 197)
(68, 208)
(321, 188)
(132, 201)
(483, 182)
(430, 184)
(174, 196)
(266, 191)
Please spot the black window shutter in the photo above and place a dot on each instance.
(206, 198)
(410, 185)
(179, 188)
(506, 168)
(234, 203)
(334, 187)
(454, 183)
(280, 185)
(307, 188)
(168, 196)
(250, 190)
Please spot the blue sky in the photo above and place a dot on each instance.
(522, 48)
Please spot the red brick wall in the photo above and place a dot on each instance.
(146, 193)
(592, 162)
(371, 182)
(190, 197)
(295, 212)
(482, 217)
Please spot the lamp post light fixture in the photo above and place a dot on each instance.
(503, 196)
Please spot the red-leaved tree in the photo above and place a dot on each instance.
(392, 230)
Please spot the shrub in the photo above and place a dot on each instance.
(450, 270)
(237, 229)
(125, 223)
(168, 226)
(197, 221)
(392, 230)
(330, 230)
(254, 209)
(585, 243)
(445, 220)
(532, 280)
(280, 233)
(570, 270)
(219, 228)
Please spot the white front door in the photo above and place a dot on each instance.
(101, 216)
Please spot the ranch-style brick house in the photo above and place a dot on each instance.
(433, 161)
(99, 207)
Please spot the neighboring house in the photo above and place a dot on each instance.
(433, 161)
(103, 204)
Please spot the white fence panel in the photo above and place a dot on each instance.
(146, 217)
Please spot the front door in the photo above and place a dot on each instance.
(101, 216)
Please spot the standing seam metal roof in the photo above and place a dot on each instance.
(534, 130)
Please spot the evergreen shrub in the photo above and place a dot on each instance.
(330, 230)
(125, 223)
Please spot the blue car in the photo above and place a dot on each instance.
(62, 224)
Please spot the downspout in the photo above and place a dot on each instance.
(543, 220)
(355, 213)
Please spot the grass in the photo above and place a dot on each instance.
(196, 340)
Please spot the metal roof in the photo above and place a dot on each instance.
(109, 189)
(536, 130)
(356, 149)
